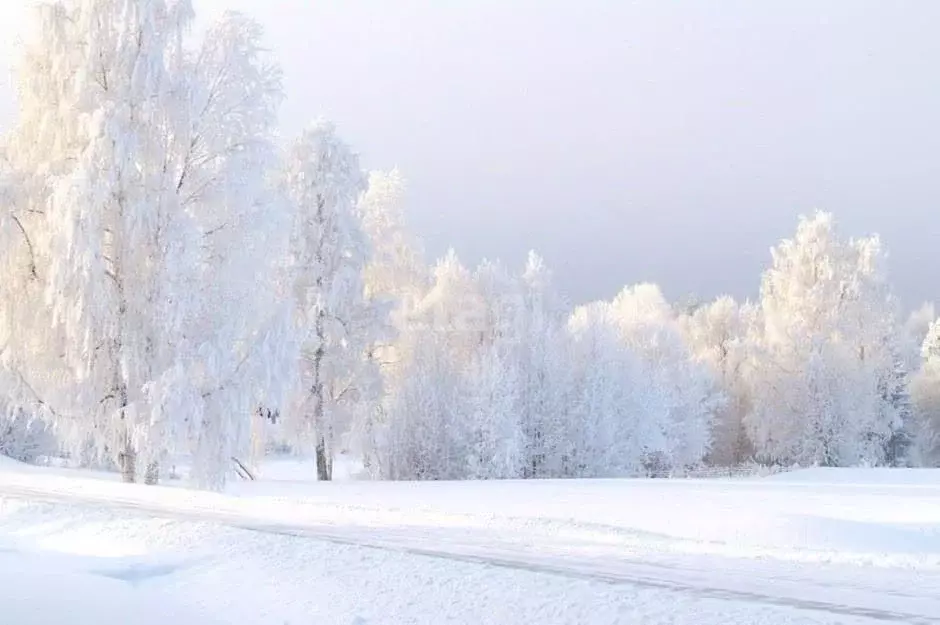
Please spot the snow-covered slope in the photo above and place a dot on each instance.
(815, 546)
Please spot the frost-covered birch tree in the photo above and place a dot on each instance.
(718, 337)
(134, 152)
(396, 270)
(827, 352)
(329, 252)
(543, 360)
(615, 423)
(222, 161)
(117, 247)
(687, 392)
(395, 280)
(426, 429)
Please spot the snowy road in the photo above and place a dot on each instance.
(696, 552)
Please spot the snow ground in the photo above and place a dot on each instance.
(816, 546)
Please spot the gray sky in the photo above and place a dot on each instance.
(672, 142)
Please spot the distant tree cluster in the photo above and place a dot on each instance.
(173, 282)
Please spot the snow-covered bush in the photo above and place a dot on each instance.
(24, 438)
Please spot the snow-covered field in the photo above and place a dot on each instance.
(813, 546)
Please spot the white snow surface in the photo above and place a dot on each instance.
(813, 546)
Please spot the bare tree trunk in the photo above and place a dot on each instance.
(323, 449)
(127, 458)
(128, 464)
(322, 430)
(324, 462)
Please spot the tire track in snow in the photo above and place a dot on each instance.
(609, 577)
(516, 561)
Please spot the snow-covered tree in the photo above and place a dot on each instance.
(396, 279)
(422, 435)
(827, 352)
(141, 165)
(24, 437)
(395, 270)
(897, 404)
(617, 422)
(329, 252)
(640, 403)
(913, 333)
(925, 394)
(543, 359)
(495, 447)
(454, 405)
(687, 390)
(222, 162)
(120, 250)
(717, 335)
(427, 427)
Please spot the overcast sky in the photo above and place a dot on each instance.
(672, 142)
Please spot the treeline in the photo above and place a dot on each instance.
(177, 283)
